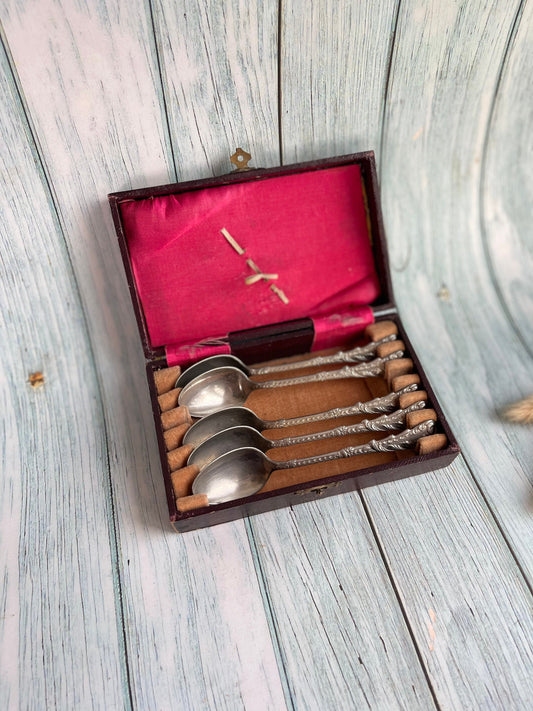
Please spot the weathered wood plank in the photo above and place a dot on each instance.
(334, 609)
(443, 282)
(457, 47)
(343, 639)
(90, 78)
(219, 69)
(507, 180)
(467, 603)
(430, 164)
(58, 633)
(334, 64)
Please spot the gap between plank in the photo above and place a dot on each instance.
(398, 598)
(157, 53)
(280, 94)
(269, 614)
(36, 149)
(498, 526)
(505, 57)
(386, 89)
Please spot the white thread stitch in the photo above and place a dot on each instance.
(279, 293)
(236, 246)
(259, 275)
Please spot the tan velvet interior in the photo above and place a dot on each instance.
(296, 401)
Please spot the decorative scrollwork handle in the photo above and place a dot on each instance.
(395, 421)
(392, 443)
(363, 370)
(355, 355)
(387, 403)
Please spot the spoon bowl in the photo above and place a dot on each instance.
(215, 390)
(226, 441)
(387, 333)
(242, 436)
(227, 386)
(216, 361)
(243, 472)
(208, 426)
(235, 416)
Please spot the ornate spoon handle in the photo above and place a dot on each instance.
(403, 440)
(363, 370)
(387, 403)
(395, 421)
(355, 355)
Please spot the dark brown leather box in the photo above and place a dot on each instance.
(152, 257)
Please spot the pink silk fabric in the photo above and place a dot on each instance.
(338, 329)
(185, 355)
(309, 229)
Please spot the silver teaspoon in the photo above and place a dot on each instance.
(355, 355)
(227, 387)
(236, 437)
(236, 416)
(244, 472)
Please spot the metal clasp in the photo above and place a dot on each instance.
(317, 490)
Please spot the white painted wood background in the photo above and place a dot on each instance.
(412, 595)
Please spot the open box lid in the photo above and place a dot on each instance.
(251, 249)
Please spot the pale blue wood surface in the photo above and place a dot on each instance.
(416, 594)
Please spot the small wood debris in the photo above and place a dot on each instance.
(36, 380)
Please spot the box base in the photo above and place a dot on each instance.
(292, 486)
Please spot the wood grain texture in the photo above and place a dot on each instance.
(506, 178)
(343, 640)
(334, 64)
(408, 596)
(219, 70)
(443, 284)
(473, 357)
(434, 50)
(467, 603)
(58, 633)
(476, 361)
(90, 79)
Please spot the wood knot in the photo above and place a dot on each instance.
(444, 293)
(36, 380)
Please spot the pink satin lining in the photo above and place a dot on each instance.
(339, 329)
(185, 355)
(309, 229)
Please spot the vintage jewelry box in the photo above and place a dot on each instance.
(272, 264)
